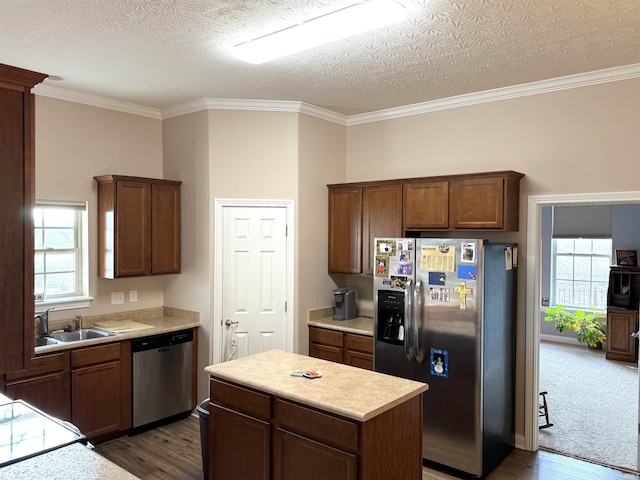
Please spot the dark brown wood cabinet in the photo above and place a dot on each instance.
(621, 323)
(488, 202)
(358, 214)
(426, 205)
(138, 226)
(623, 295)
(341, 347)
(17, 197)
(45, 384)
(255, 435)
(97, 396)
(345, 229)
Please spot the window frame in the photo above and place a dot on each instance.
(554, 279)
(80, 298)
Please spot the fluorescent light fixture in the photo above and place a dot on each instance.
(346, 22)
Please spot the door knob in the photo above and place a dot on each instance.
(228, 322)
(636, 334)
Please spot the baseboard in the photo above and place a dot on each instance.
(558, 339)
(520, 442)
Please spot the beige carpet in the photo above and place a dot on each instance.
(593, 405)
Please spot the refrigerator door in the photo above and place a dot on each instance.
(394, 344)
(450, 334)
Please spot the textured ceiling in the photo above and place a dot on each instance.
(161, 53)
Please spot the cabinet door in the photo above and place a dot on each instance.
(477, 203)
(49, 393)
(620, 344)
(46, 384)
(239, 446)
(165, 229)
(96, 399)
(297, 457)
(381, 217)
(133, 228)
(345, 230)
(426, 205)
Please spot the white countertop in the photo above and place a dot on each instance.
(75, 462)
(343, 390)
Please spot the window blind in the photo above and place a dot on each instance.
(586, 221)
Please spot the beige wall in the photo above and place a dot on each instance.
(186, 152)
(76, 142)
(572, 141)
(321, 162)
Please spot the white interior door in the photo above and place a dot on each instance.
(253, 280)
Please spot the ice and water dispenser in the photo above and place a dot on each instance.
(390, 317)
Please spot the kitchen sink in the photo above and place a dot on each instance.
(79, 335)
(42, 341)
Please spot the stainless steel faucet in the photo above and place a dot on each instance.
(79, 320)
(44, 322)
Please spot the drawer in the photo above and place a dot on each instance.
(240, 399)
(316, 425)
(358, 359)
(325, 352)
(52, 363)
(362, 343)
(325, 336)
(92, 355)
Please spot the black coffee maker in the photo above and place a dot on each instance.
(346, 307)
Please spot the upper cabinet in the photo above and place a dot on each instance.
(17, 197)
(485, 202)
(479, 201)
(138, 225)
(358, 214)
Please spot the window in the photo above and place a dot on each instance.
(59, 252)
(581, 272)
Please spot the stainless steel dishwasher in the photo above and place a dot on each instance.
(162, 376)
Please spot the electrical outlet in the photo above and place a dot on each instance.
(117, 298)
(133, 296)
(39, 297)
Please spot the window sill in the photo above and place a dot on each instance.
(68, 303)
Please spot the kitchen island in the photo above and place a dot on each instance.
(349, 423)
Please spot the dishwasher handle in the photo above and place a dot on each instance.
(162, 341)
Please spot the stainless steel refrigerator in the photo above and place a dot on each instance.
(444, 314)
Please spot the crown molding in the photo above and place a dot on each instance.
(526, 89)
(254, 105)
(534, 88)
(95, 101)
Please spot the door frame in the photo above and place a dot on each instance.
(532, 316)
(219, 205)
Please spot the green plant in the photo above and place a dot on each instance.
(589, 327)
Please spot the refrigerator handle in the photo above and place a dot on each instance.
(409, 327)
(418, 320)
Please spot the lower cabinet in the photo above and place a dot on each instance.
(96, 389)
(45, 385)
(341, 347)
(254, 436)
(88, 386)
(297, 457)
(621, 323)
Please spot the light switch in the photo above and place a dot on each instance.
(117, 298)
(133, 296)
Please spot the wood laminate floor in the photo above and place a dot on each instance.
(172, 452)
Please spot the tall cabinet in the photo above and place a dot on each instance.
(17, 197)
(622, 313)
